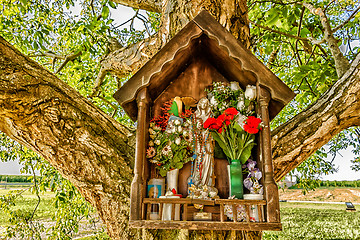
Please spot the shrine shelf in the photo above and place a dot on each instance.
(218, 223)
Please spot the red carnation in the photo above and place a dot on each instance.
(211, 123)
(252, 125)
(231, 112)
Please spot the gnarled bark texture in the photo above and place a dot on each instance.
(96, 153)
(88, 147)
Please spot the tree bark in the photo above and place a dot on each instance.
(88, 147)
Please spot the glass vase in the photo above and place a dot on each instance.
(236, 179)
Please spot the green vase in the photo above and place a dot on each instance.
(236, 179)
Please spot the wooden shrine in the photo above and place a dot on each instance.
(203, 52)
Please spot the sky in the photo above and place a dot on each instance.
(122, 14)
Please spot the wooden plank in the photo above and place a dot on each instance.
(148, 208)
(234, 208)
(260, 208)
(247, 210)
(179, 201)
(143, 211)
(172, 211)
(240, 201)
(214, 210)
(222, 216)
(184, 218)
(206, 225)
(161, 210)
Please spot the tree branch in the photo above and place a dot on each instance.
(148, 5)
(68, 58)
(347, 20)
(87, 146)
(336, 110)
(312, 40)
(341, 63)
(126, 60)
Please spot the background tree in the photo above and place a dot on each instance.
(93, 148)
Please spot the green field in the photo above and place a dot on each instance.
(300, 220)
(316, 221)
(27, 202)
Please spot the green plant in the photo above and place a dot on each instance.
(170, 149)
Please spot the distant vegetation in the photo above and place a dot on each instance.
(15, 178)
(352, 184)
(355, 183)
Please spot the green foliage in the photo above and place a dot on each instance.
(308, 172)
(352, 184)
(306, 68)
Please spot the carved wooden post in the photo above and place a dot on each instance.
(271, 189)
(138, 184)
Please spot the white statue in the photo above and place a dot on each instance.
(203, 169)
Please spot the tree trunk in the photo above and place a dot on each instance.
(96, 153)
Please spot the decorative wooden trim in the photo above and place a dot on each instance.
(270, 187)
(206, 225)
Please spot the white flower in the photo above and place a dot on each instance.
(213, 101)
(241, 105)
(173, 130)
(177, 141)
(177, 122)
(179, 129)
(234, 86)
(212, 194)
(258, 175)
(250, 92)
(204, 194)
(166, 150)
(157, 142)
(157, 128)
(185, 133)
(240, 120)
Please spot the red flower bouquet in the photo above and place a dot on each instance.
(235, 141)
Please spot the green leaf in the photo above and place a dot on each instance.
(163, 172)
(221, 143)
(112, 4)
(174, 109)
(105, 12)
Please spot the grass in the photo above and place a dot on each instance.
(300, 220)
(27, 201)
(316, 221)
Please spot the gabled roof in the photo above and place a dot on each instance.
(203, 35)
